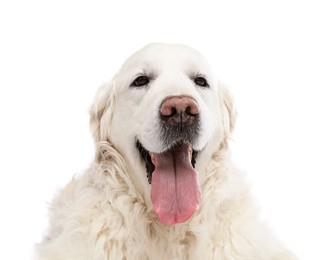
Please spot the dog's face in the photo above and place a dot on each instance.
(166, 115)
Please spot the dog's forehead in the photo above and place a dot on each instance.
(168, 55)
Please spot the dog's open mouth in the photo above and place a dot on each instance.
(175, 192)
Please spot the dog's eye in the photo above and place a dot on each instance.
(140, 81)
(200, 81)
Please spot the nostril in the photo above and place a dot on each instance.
(168, 110)
(191, 110)
(173, 111)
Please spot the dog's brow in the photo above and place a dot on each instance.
(146, 70)
(195, 74)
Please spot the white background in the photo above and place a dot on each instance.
(54, 55)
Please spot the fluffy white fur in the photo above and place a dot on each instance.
(106, 213)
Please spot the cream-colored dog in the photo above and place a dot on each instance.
(162, 185)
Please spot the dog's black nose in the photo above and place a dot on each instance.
(179, 110)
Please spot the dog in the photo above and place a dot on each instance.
(162, 185)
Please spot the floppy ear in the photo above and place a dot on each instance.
(101, 112)
(228, 112)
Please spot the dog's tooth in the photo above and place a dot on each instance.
(190, 151)
(153, 157)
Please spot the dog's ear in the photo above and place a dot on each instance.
(102, 107)
(228, 112)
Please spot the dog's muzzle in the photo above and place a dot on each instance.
(175, 192)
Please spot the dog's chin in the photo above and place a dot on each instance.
(150, 158)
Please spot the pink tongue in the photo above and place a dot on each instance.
(175, 193)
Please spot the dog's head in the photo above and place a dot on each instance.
(166, 115)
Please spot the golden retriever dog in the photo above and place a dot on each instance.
(162, 185)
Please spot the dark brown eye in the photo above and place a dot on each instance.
(200, 81)
(140, 81)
